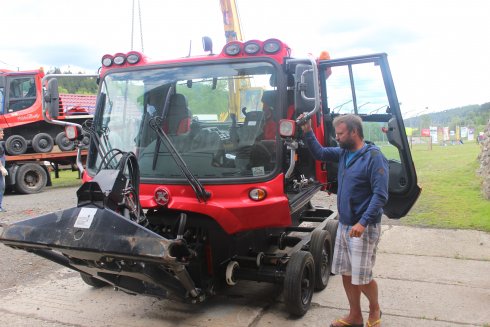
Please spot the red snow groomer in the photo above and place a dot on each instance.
(186, 191)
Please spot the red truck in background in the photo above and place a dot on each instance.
(21, 113)
(29, 140)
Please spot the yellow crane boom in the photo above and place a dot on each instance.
(231, 21)
(233, 32)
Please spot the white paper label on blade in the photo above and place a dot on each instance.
(85, 217)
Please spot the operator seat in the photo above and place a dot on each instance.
(251, 129)
(270, 123)
(178, 117)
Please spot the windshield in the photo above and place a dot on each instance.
(216, 116)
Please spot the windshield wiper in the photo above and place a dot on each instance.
(164, 113)
(201, 193)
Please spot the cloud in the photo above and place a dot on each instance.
(52, 55)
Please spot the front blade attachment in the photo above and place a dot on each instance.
(107, 246)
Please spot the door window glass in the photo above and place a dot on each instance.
(22, 93)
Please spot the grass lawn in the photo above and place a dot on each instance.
(66, 178)
(451, 194)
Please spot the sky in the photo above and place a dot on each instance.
(438, 50)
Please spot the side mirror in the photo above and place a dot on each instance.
(52, 99)
(207, 44)
(304, 91)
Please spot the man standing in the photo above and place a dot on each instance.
(3, 171)
(362, 193)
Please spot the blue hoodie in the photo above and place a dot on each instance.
(362, 183)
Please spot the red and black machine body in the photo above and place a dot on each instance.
(186, 191)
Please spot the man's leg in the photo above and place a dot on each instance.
(341, 266)
(371, 292)
(366, 258)
(353, 293)
(2, 188)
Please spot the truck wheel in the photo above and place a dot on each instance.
(42, 143)
(331, 227)
(299, 283)
(320, 249)
(92, 281)
(63, 142)
(30, 178)
(16, 145)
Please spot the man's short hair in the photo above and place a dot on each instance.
(352, 122)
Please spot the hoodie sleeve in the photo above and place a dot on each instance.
(320, 152)
(378, 175)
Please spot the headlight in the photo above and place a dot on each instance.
(257, 194)
(119, 59)
(287, 127)
(232, 49)
(71, 132)
(133, 58)
(107, 60)
(272, 46)
(251, 47)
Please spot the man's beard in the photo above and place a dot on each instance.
(348, 145)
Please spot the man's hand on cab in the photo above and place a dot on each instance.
(306, 127)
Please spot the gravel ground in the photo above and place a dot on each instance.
(19, 267)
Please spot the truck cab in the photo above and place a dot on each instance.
(223, 114)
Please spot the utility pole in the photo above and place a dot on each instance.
(132, 26)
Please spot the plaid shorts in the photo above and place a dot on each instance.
(355, 256)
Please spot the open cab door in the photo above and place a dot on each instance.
(363, 85)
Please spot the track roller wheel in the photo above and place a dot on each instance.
(42, 143)
(63, 142)
(15, 145)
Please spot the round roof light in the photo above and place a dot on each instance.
(119, 59)
(133, 58)
(107, 60)
(232, 49)
(272, 46)
(251, 48)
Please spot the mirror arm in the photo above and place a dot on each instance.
(316, 90)
(49, 119)
(291, 146)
